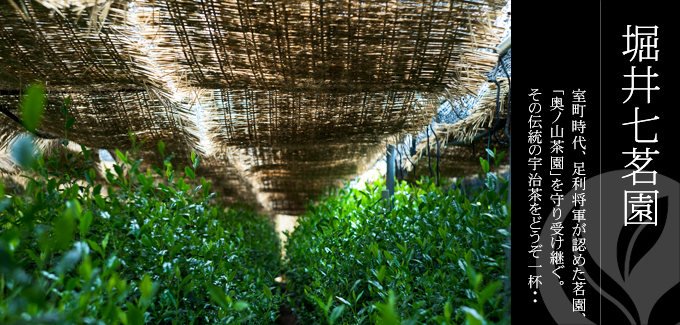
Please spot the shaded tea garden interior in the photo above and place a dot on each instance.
(222, 115)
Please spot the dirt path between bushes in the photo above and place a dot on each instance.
(286, 315)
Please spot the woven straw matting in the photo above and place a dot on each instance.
(238, 77)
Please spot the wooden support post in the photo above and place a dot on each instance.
(413, 146)
(390, 157)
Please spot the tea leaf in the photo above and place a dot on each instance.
(85, 222)
(161, 147)
(488, 292)
(69, 123)
(381, 274)
(473, 317)
(267, 291)
(189, 172)
(336, 313)
(23, 152)
(33, 107)
(343, 301)
(241, 305)
(122, 157)
(218, 296)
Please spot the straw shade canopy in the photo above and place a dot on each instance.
(281, 98)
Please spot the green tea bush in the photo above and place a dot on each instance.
(155, 250)
(436, 257)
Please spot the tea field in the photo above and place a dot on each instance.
(156, 247)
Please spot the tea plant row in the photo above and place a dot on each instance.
(154, 247)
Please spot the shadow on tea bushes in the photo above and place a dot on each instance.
(153, 251)
(437, 257)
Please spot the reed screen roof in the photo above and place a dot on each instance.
(290, 96)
